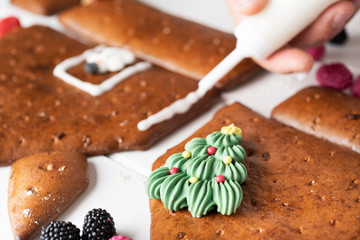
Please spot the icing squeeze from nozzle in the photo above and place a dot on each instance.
(257, 36)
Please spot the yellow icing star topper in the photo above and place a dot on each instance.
(231, 129)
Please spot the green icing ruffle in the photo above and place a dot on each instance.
(176, 192)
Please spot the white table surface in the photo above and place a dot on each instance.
(117, 181)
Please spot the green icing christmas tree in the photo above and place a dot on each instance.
(205, 176)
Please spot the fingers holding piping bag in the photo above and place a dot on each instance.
(291, 58)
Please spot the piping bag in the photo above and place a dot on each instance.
(257, 36)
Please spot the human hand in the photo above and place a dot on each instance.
(292, 57)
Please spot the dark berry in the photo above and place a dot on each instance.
(98, 225)
(335, 76)
(316, 52)
(91, 68)
(120, 237)
(355, 89)
(60, 231)
(340, 38)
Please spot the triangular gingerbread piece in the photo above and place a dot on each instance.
(41, 187)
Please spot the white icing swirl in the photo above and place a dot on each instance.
(110, 59)
(108, 84)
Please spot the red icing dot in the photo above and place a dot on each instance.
(7, 24)
(173, 170)
(316, 52)
(335, 75)
(211, 150)
(220, 178)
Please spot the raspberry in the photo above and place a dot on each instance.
(98, 225)
(316, 52)
(335, 76)
(355, 89)
(340, 38)
(120, 237)
(60, 231)
(7, 24)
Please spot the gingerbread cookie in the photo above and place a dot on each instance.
(297, 187)
(325, 113)
(41, 187)
(40, 112)
(45, 7)
(171, 42)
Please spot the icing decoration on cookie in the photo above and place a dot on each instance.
(108, 84)
(231, 129)
(203, 182)
(227, 160)
(186, 154)
(220, 178)
(211, 150)
(193, 179)
(178, 107)
(173, 170)
(109, 59)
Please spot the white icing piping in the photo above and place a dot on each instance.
(95, 89)
(184, 104)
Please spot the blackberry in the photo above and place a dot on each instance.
(60, 231)
(98, 225)
(340, 38)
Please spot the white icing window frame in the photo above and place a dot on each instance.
(95, 89)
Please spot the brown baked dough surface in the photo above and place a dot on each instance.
(298, 187)
(39, 112)
(172, 42)
(45, 7)
(325, 113)
(41, 187)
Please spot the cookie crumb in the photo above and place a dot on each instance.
(21, 140)
(181, 235)
(353, 116)
(266, 156)
(86, 140)
(219, 232)
(27, 212)
(61, 168)
(119, 141)
(50, 167)
(316, 120)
